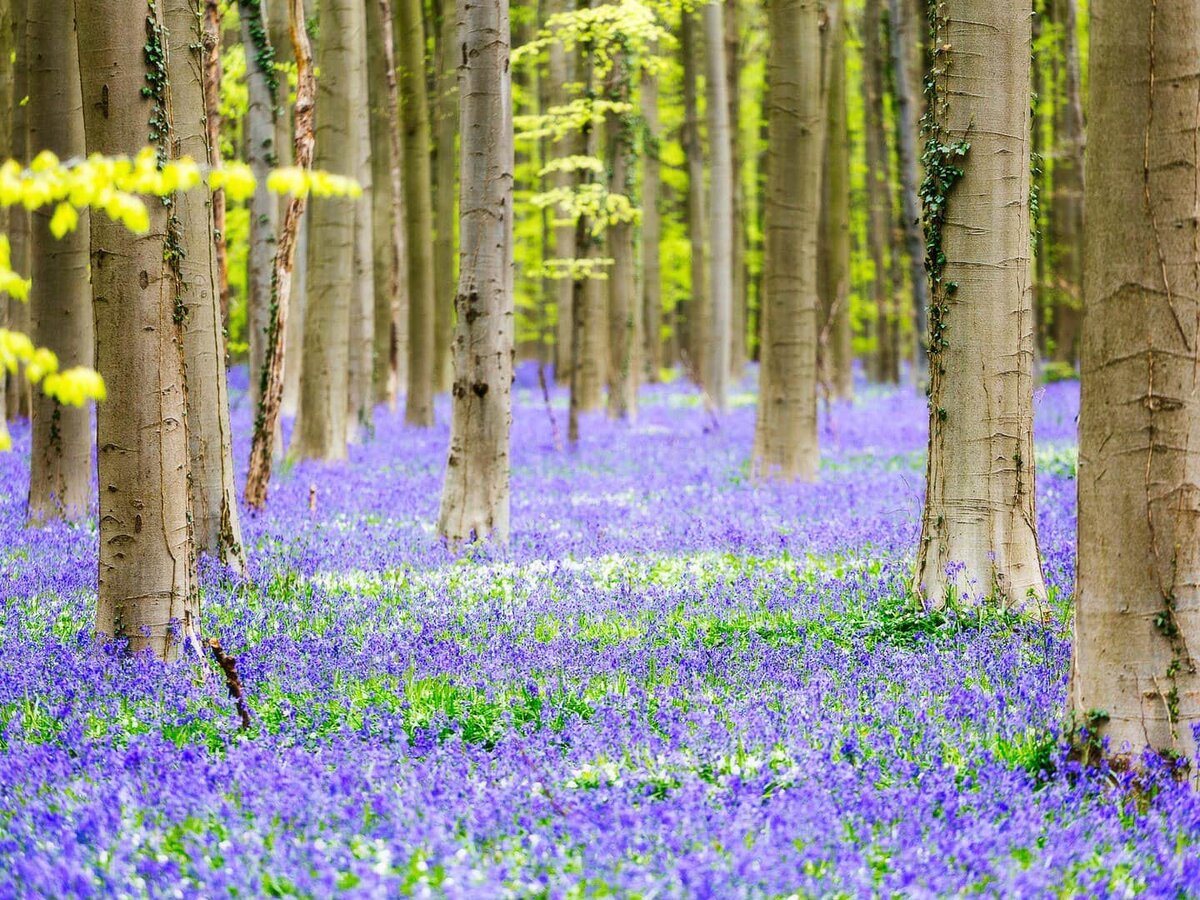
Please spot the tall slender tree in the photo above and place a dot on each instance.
(147, 582)
(737, 248)
(558, 72)
(19, 396)
(192, 255)
(7, 59)
(475, 497)
(785, 439)
(978, 529)
(361, 397)
(61, 298)
(262, 85)
(651, 233)
(695, 312)
(321, 429)
(879, 202)
(448, 54)
(624, 368)
(418, 213)
(1134, 677)
(721, 209)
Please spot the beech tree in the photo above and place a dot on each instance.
(321, 427)
(719, 346)
(447, 60)
(61, 298)
(192, 255)
(1134, 678)
(785, 437)
(475, 496)
(147, 580)
(979, 528)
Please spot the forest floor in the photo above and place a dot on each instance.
(676, 682)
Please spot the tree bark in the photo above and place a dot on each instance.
(979, 518)
(147, 583)
(879, 201)
(786, 430)
(321, 428)
(624, 367)
(1065, 237)
(695, 312)
(721, 212)
(266, 419)
(210, 437)
(651, 234)
(8, 37)
(740, 309)
(447, 157)
(387, 201)
(904, 38)
(212, 122)
(1138, 586)
(558, 74)
(361, 397)
(475, 496)
(833, 262)
(589, 305)
(61, 297)
(19, 394)
(418, 214)
(260, 134)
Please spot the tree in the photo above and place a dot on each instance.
(19, 395)
(733, 72)
(61, 297)
(1065, 236)
(905, 44)
(624, 368)
(418, 214)
(147, 581)
(721, 210)
(557, 76)
(262, 85)
(979, 529)
(833, 260)
(321, 428)
(361, 397)
(785, 438)
(192, 256)
(695, 316)
(475, 496)
(651, 234)
(879, 201)
(443, 248)
(1134, 679)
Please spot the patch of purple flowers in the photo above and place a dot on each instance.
(676, 682)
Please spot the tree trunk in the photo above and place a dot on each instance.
(418, 214)
(739, 310)
(834, 345)
(266, 420)
(387, 203)
(624, 367)
(695, 312)
(361, 398)
(1065, 237)
(904, 35)
(721, 212)
(475, 497)
(61, 298)
(879, 201)
(147, 555)
(211, 31)
(8, 36)
(786, 431)
(906, 45)
(19, 394)
(1138, 587)
(979, 515)
(558, 74)
(259, 126)
(321, 428)
(447, 157)
(589, 303)
(651, 234)
(191, 235)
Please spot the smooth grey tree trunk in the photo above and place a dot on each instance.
(19, 395)
(651, 235)
(475, 496)
(1137, 619)
(61, 297)
(448, 56)
(147, 555)
(624, 367)
(696, 309)
(721, 210)
(361, 396)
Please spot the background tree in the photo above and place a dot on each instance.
(19, 395)
(192, 258)
(979, 497)
(475, 495)
(785, 437)
(447, 61)
(61, 298)
(1134, 679)
(720, 340)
